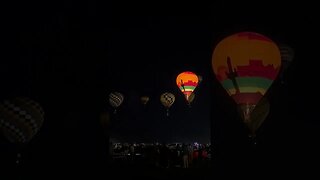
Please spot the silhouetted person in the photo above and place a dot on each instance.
(164, 156)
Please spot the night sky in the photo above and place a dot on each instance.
(70, 55)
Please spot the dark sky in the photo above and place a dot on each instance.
(70, 55)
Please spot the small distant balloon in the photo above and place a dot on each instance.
(167, 99)
(144, 100)
(115, 100)
(187, 83)
(20, 119)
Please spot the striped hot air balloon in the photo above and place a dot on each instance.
(167, 99)
(20, 119)
(246, 64)
(187, 83)
(115, 100)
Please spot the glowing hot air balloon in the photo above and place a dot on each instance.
(187, 83)
(246, 64)
(167, 99)
(115, 100)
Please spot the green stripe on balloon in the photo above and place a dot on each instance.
(248, 83)
(187, 88)
(247, 90)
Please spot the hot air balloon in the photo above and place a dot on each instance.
(20, 119)
(187, 82)
(167, 99)
(246, 64)
(115, 100)
(144, 100)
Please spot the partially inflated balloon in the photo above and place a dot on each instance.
(246, 64)
(167, 99)
(20, 119)
(187, 82)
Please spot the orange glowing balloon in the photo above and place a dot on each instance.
(187, 83)
(246, 64)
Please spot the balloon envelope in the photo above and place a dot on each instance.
(20, 119)
(167, 99)
(144, 100)
(115, 99)
(246, 64)
(187, 82)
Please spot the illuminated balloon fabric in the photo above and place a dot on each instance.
(258, 115)
(144, 100)
(187, 82)
(115, 99)
(167, 99)
(246, 64)
(20, 119)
